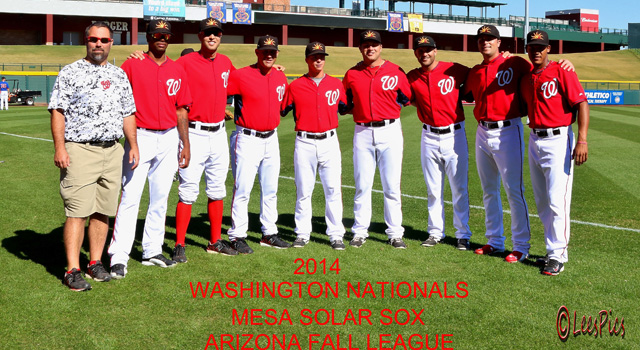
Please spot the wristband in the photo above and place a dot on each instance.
(582, 142)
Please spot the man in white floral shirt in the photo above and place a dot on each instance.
(91, 108)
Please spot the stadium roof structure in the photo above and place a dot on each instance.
(466, 3)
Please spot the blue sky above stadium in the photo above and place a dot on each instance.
(613, 14)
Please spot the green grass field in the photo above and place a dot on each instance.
(507, 306)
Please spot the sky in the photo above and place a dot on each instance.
(614, 14)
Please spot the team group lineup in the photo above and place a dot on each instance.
(166, 108)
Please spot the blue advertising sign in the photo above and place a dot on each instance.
(241, 13)
(217, 10)
(605, 97)
(395, 22)
(169, 10)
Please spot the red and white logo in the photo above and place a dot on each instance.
(280, 90)
(332, 96)
(446, 85)
(173, 86)
(550, 88)
(105, 84)
(504, 77)
(225, 78)
(389, 83)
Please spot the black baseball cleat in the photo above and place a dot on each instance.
(241, 246)
(75, 281)
(337, 244)
(159, 260)
(397, 243)
(430, 242)
(118, 271)
(553, 268)
(357, 242)
(274, 241)
(221, 247)
(463, 244)
(179, 254)
(97, 272)
(300, 242)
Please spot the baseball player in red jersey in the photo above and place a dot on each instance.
(258, 92)
(553, 96)
(315, 99)
(376, 91)
(162, 97)
(435, 90)
(208, 72)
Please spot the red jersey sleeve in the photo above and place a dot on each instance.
(571, 87)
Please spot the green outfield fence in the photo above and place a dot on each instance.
(41, 77)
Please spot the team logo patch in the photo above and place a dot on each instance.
(280, 90)
(317, 46)
(332, 97)
(369, 34)
(537, 36)
(423, 40)
(269, 42)
(550, 88)
(446, 85)
(485, 29)
(504, 77)
(162, 25)
(212, 22)
(105, 84)
(389, 83)
(173, 86)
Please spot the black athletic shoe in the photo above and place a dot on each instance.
(430, 242)
(463, 244)
(75, 282)
(397, 243)
(98, 273)
(118, 271)
(337, 244)
(357, 242)
(543, 261)
(158, 260)
(274, 241)
(221, 247)
(553, 268)
(179, 255)
(241, 246)
(300, 242)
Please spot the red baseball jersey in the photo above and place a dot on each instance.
(436, 94)
(550, 94)
(315, 107)
(376, 93)
(257, 97)
(495, 88)
(208, 79)
(158, 91)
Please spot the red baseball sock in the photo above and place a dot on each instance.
(214, 209)
(183, 216)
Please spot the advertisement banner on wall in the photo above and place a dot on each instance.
(415, 23)
(217, 10)
(605, 97)
(169, 10)
(241, 13)
(395, 22)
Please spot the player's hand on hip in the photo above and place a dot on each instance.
(61, 158)
(185, 157)
(137, 55)
(580, 153)
(134, 157)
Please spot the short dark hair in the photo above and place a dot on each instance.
(99, 24)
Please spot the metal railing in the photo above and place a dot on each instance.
(31, 67)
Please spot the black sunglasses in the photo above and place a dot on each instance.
(95, 39)
(160, 36)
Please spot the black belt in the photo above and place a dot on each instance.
(206, 128)
(378, 123)
(262, 135)
(103, 144)
(441, 131)
(152, 130)
(495, 125)
(316, 136)
(545, 133)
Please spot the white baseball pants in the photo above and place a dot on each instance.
(158, 163)
(251, 155)
(446, 154)
(551, 169)
(381, 146)
(312, 156)
(500, 155)
(4, 100)
(209, 154)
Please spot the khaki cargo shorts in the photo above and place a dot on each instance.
(91, 183)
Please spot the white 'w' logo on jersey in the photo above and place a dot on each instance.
(225, 78)
(550, 88)
(173, 86)
(332, 96)
(504, 77)
(389, 83)
(446, 85)
(280, 90)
